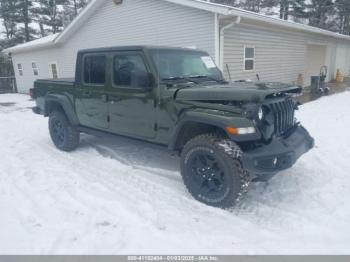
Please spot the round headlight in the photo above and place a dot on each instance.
(261, 113)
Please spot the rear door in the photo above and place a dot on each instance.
(92, 102)
(131, 100)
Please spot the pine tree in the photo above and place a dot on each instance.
(16, 18)
(258, 5)
(78, 5)
(72, 8)
(24, 16)
(284, 9)
(298, 10)
(343, 13)
(250, 5)
(49, 15)
(321, 13)
(234, 3)
(8, 16)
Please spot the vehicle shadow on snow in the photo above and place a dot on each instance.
(160, 161)
(135, 153)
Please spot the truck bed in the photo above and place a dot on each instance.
(58, 81)
(42, 87)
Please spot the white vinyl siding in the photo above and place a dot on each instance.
(280, 57)
(140, 22)
(42, 59)
(343, 59)
(134, 22)
(280, 53)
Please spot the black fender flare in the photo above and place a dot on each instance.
(213, 118)
(65, 103)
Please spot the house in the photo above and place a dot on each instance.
(245, 45)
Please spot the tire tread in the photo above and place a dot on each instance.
(73, 134)
(231, 152)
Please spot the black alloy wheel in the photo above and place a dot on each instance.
(212, 171)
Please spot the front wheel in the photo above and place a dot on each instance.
(64, 135)
(212, 171)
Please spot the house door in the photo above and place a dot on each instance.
(314, 60)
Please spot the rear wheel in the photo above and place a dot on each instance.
(64, 135)
(212, 171)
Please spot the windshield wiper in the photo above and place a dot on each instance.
(176, 78)
(209, 77)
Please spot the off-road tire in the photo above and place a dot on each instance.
(70, 134)
(230, 155)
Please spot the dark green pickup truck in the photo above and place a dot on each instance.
(228, 134)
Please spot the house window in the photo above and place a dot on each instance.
(35, 69)
(54, 70)
(95, 69)
(249, 58)
(20, 69)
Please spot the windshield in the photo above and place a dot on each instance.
(180, 64)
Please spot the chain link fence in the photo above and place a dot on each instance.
(7, 85)
(7, 79)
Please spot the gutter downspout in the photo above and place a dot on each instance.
(222, 39)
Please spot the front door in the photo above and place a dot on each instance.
(92, 102)
(131, 100)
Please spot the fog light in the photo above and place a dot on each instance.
(241, 130)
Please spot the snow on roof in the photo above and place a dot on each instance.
(41, 42)
(206, 5)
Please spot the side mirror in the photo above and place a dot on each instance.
(144, 80)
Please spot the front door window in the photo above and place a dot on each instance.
(129, 70)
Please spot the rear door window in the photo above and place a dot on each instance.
(95, 69)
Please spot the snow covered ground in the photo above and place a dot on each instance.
(116, 196)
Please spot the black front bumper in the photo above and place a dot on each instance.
(280, 154)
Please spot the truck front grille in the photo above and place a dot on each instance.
(283, 112)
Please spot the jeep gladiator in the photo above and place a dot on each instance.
(228, 134)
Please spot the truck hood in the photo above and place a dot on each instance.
(246, 91)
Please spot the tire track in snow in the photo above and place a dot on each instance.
(80, 197)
